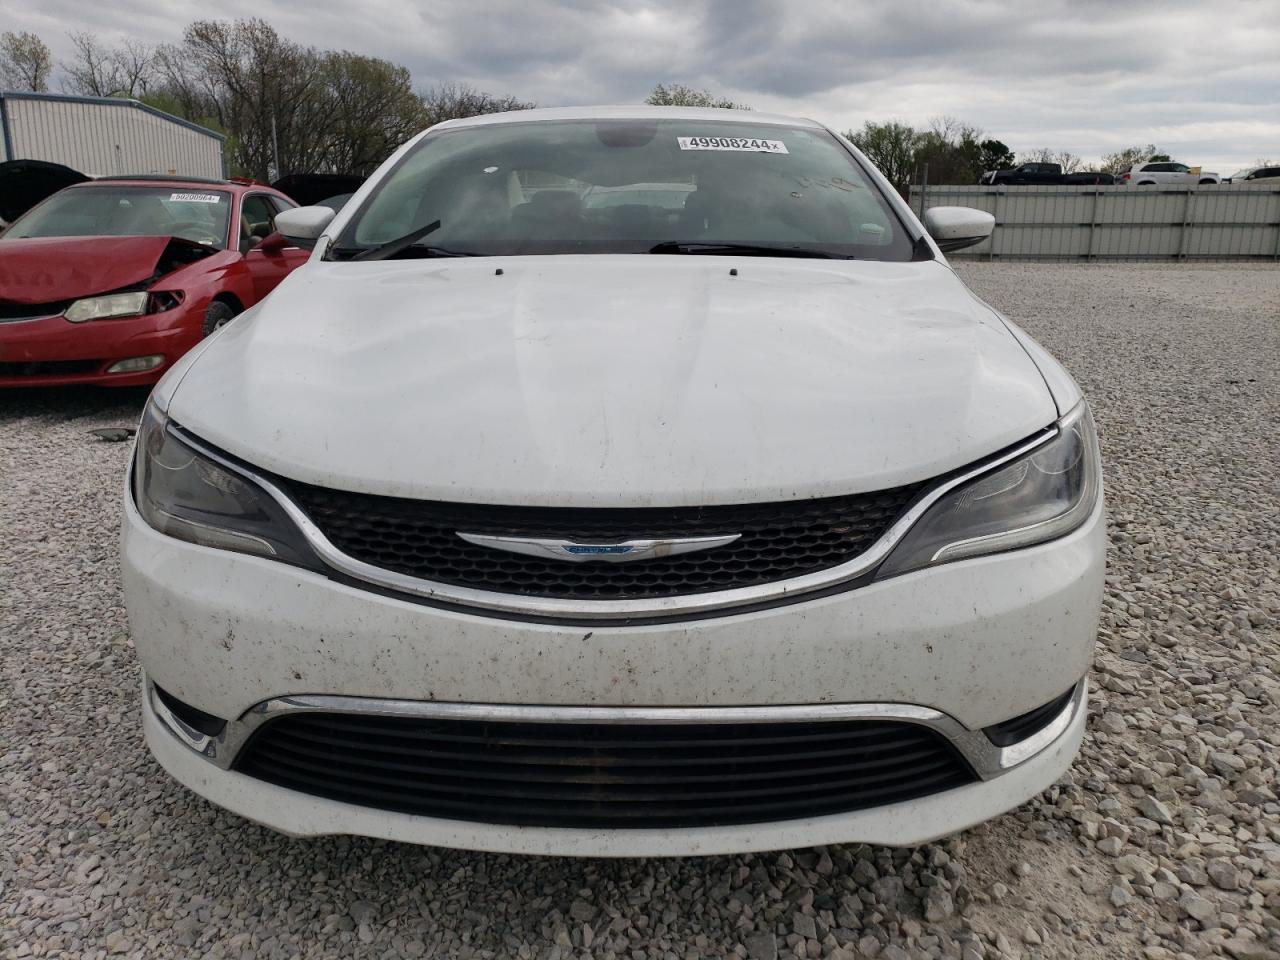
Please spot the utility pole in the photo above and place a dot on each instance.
(274, 173)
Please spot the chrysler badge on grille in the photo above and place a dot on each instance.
(621, 552)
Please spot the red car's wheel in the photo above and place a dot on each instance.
(219, 314)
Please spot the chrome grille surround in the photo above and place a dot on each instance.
(691, 606)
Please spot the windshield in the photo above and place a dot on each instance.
(194, 214)
(628, 186)
(1242, 174)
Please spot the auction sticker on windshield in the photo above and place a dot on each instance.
(744, 144)
(196, 197)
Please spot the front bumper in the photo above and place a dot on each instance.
(53, 352)
(977, 641)
(187, 756)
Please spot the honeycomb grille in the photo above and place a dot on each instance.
(778, 541)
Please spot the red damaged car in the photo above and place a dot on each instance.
(110, 281)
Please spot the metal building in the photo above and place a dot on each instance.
(101, 136)
(1120, 222)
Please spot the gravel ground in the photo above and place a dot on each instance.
(1162, 842)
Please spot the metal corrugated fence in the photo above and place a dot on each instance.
(1161, 222)
(104, 136)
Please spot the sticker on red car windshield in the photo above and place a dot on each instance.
(741, 144)
(196, 197)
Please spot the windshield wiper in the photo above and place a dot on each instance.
(427, 250)
(741, 250)
(392, 247)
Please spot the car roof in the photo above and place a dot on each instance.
(630, 113)
(195, 183)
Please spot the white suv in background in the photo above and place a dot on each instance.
(1158, 172)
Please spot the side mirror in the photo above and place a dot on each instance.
(273, 243)
(954, 228)
(303, 225)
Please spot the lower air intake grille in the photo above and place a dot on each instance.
(49, 368)
(603, 775)
(778, 541)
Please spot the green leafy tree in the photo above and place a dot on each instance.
(948, 152)
(678, 95)
(372, 109)
(891, 146)
(996, 155)
(951, 152)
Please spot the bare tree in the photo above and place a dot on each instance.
(1069, 161)
(101, 71)
(319, 111)
(1122, 160)
(951, 150)
(25, 62)
(678, 95)
(261, 88)
(454, 101)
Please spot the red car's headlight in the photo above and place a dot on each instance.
(108, 306)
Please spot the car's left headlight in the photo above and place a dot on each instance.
(187, 494)
(106, 307)
(1045, 493)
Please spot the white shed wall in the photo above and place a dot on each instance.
(1045, 222)
(104, 139)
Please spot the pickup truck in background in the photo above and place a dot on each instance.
(1044, 174)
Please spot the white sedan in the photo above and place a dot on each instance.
(514, 522)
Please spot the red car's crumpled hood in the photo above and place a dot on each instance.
(48, 269)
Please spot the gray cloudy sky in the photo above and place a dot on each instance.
(1200, 78)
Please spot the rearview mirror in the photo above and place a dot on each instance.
(954, 228)
(303, 225)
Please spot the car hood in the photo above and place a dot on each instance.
(306, 189)
(46, 269)
(632, 380)
(24, 183)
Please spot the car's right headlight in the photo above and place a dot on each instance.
(187, 494)
(1044, 494)
(107, 307)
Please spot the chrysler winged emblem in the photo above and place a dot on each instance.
(624, 551)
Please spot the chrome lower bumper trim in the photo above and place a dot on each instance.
(987, 760)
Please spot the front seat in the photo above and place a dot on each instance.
(695, 217)
(554, 213)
